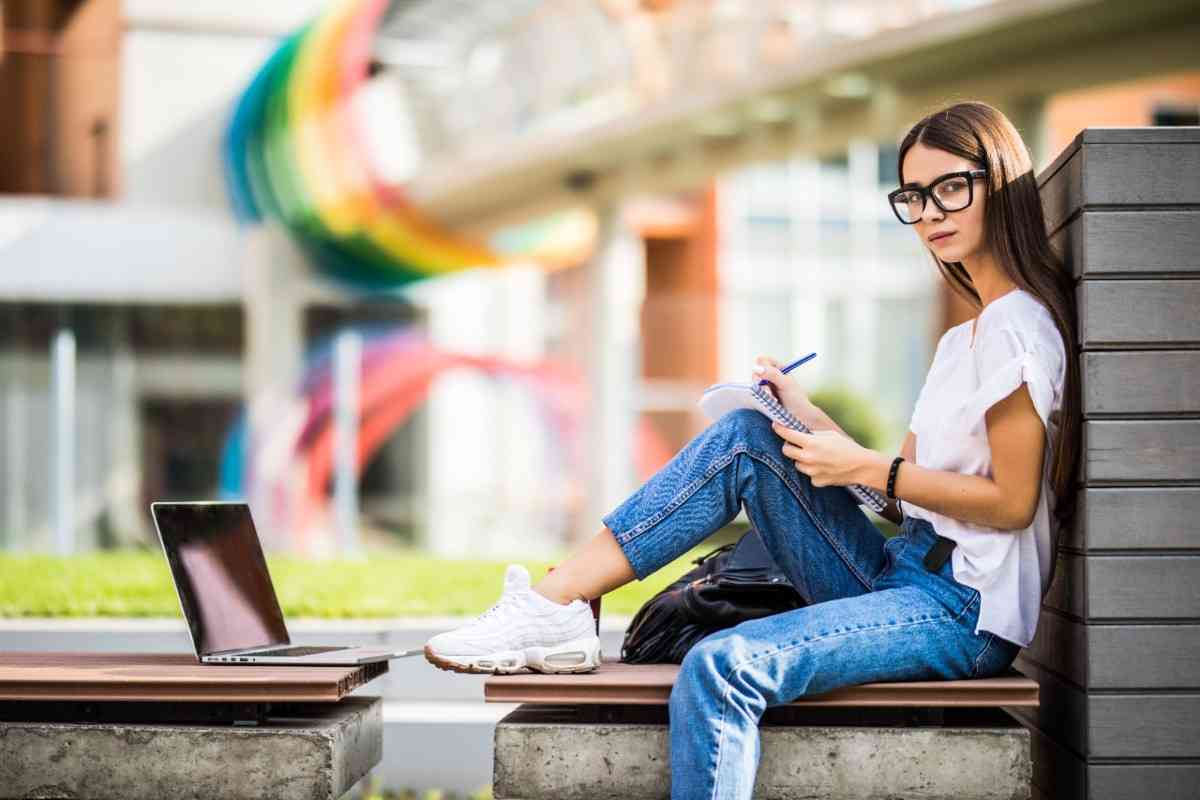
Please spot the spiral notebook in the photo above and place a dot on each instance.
(721, 398)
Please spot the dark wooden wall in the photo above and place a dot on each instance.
(1117, 651)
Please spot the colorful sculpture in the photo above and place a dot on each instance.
(292, 461)
(296, 150)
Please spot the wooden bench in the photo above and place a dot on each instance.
(134, 726)
(604, 735)
(650, 684)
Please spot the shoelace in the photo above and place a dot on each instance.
(495, 609)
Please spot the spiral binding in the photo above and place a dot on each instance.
(779, 413)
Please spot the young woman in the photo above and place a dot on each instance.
(988, 463)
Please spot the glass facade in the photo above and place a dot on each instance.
(813, 260)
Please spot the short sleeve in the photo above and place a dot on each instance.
(1004, 359)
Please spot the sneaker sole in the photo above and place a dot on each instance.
(580, 655)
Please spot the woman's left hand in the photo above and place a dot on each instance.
(827, 457)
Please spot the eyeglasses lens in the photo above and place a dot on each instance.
(953, 194)
(908, 206)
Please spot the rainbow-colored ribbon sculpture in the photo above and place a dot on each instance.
(293, 459)
(297, 150)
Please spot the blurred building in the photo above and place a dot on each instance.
(121, 263)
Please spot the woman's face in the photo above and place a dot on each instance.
(923, 165)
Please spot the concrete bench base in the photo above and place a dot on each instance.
(572, 753)
(316, 752)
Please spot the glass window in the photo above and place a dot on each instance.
(768, 234)
(769, 328)
(835, 243)
(837, 337)
(904, 350)
(889, 173)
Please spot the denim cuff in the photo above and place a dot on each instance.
(630, 547)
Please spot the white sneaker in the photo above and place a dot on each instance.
(522, 630)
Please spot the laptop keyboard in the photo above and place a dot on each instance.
(292, 652)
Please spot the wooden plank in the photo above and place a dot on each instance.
(1181, 134)
(1136, 518)
(1143, 656)
(1060, 774)
(1130, 166)
(1145, 173)
(1153, 726)
(1141, 450)
(1126, 587)
(1104, 243)
(1117, 656)
(1060, 189)
(1157, 314)
(1144, 726)
(1065, 242)
(1068, 590)
(1164, 781)
(1141, 381)
(171, 677)
(650, 684)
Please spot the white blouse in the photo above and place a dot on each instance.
(1016, 342)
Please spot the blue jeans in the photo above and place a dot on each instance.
(875, 614)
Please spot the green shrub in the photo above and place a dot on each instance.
(386, 584)
(854, 412)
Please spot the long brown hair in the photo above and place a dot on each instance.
(1015, 231)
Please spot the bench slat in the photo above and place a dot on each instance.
(650, 684)
(170, 676)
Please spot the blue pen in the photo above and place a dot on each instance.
(791, 366)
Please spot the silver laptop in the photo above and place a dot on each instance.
(226, 593)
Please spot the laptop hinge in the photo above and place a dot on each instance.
(247, 651)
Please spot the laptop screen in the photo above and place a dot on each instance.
(221, 575)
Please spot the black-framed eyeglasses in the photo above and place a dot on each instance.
(950, 192)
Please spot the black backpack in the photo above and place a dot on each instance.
(731, 584)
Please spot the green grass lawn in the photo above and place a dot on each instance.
(393, 584)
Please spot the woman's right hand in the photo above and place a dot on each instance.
(789, 392)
